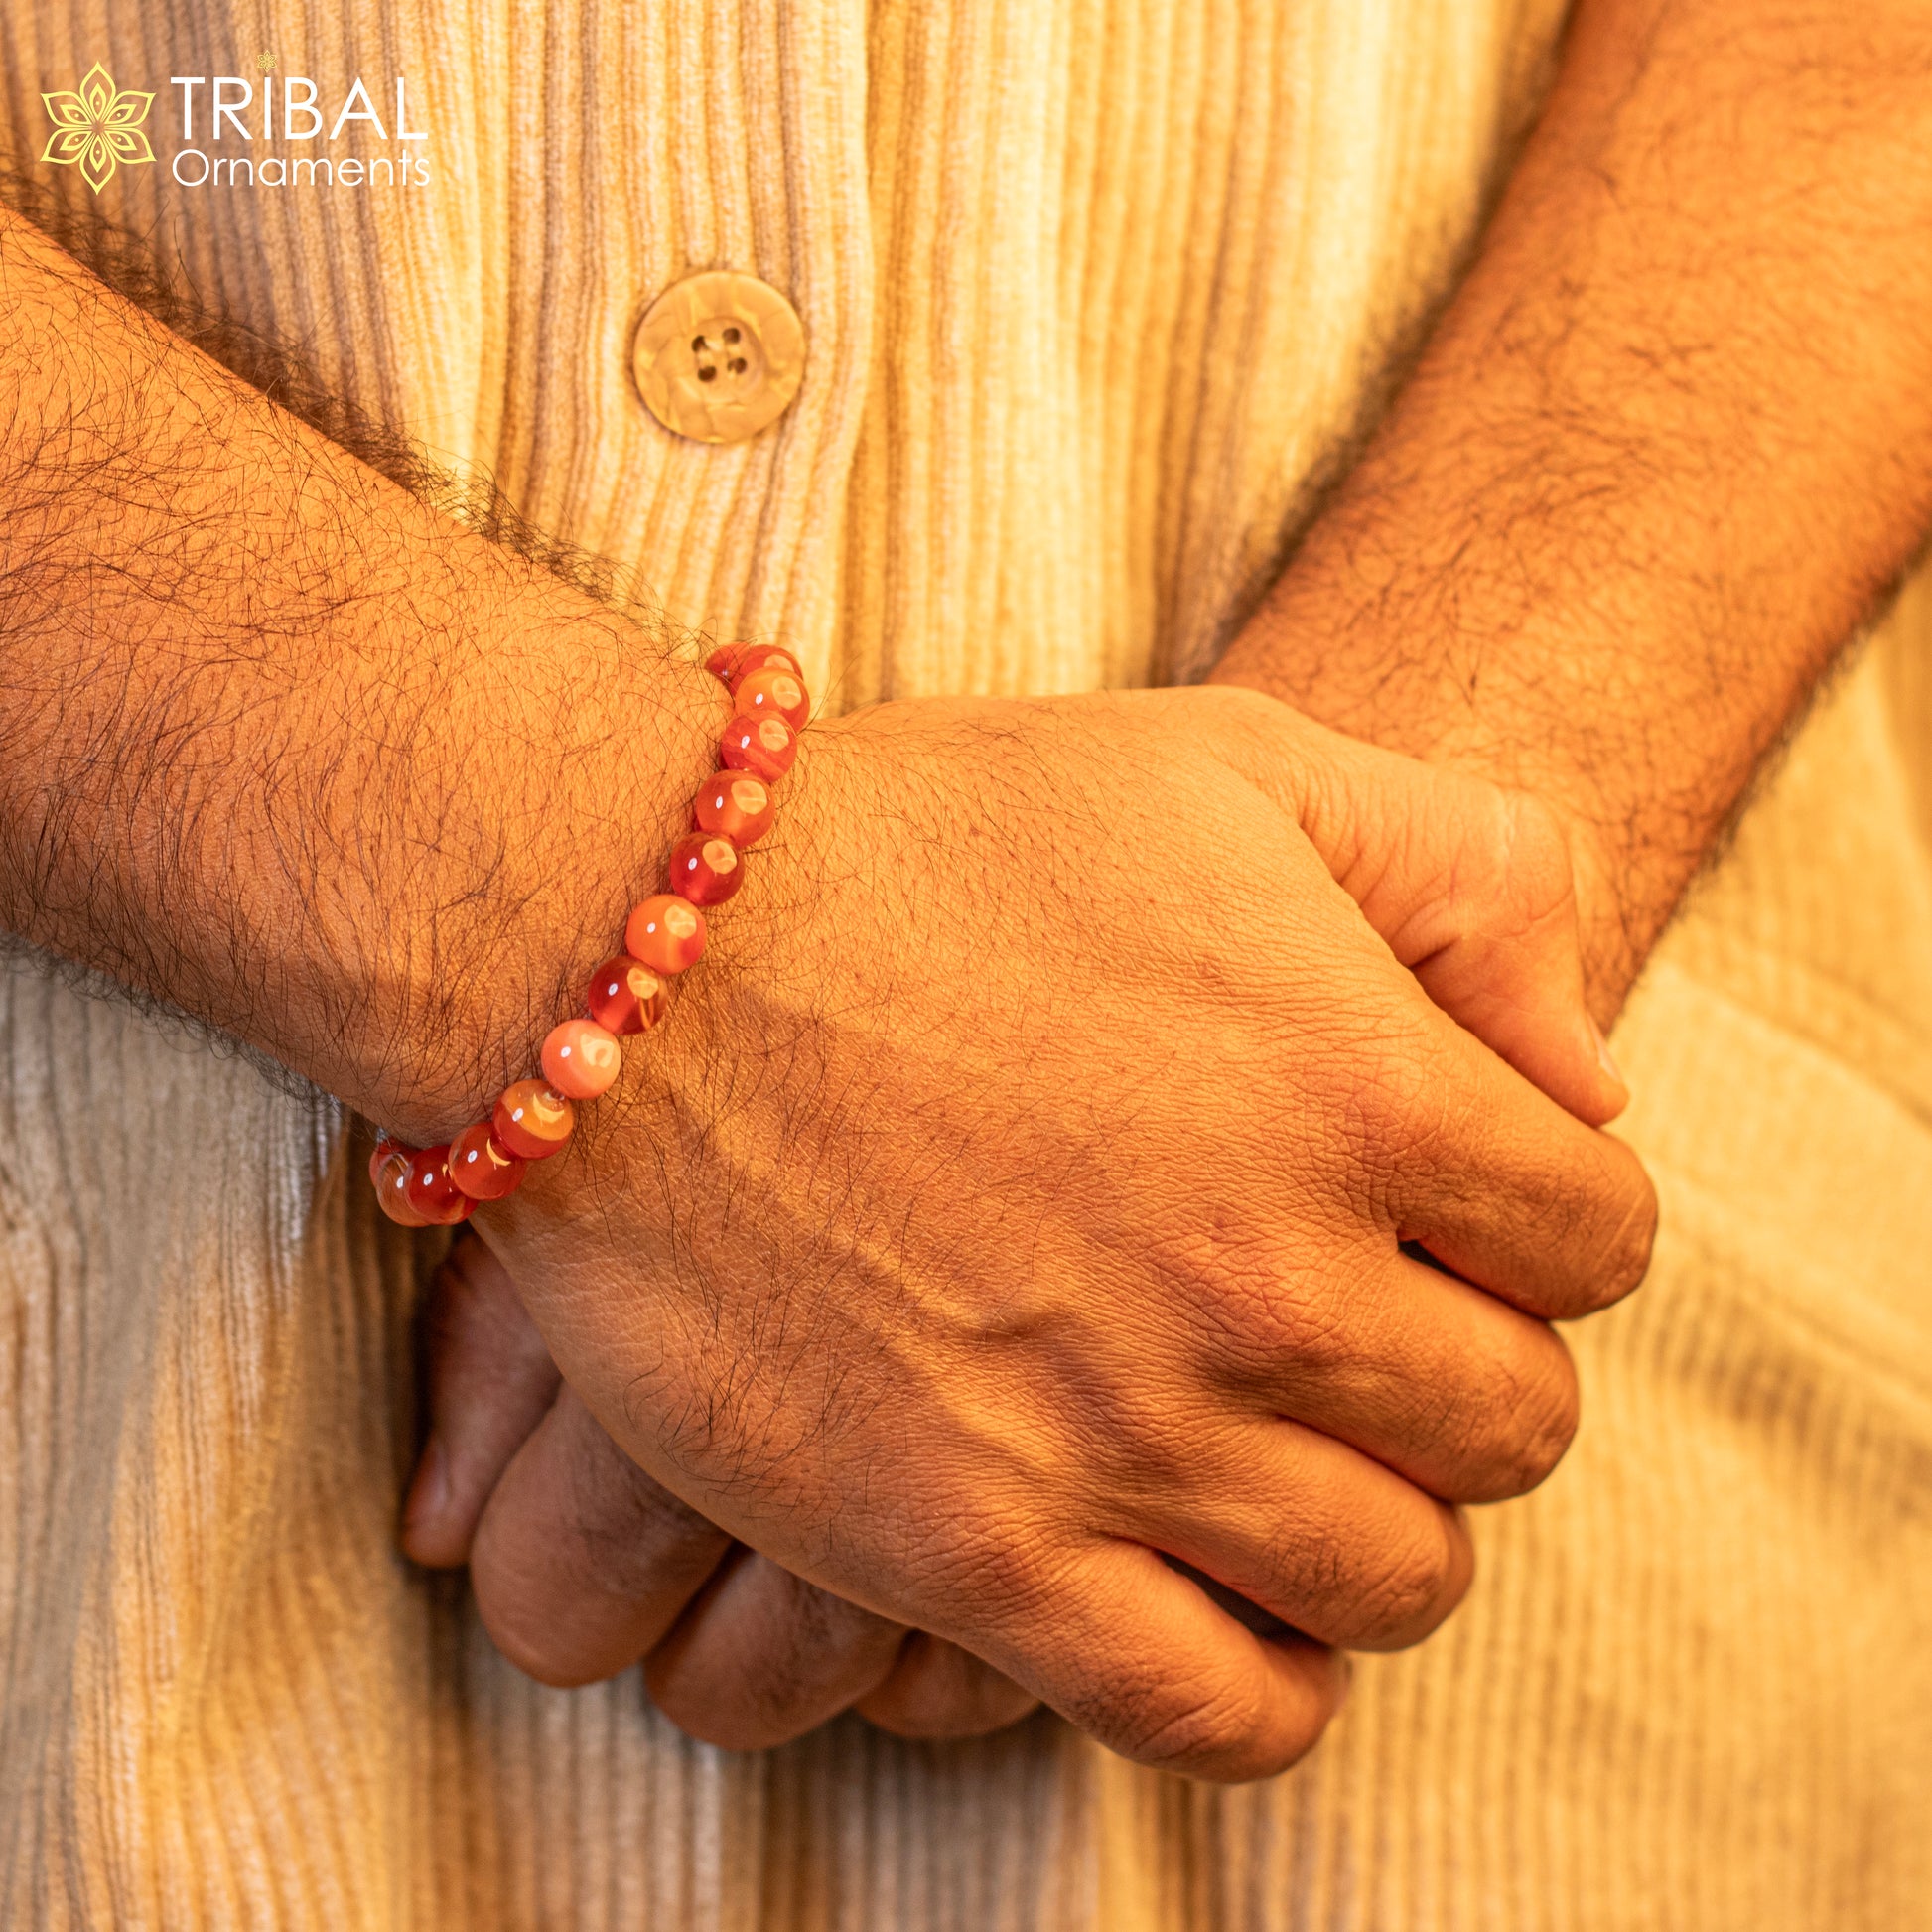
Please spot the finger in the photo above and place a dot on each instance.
(761, 1657)
(937, 1690)
(1138, 1656)
(1473, 888)
(490, 1381)
(1510, 1192)
(582, 1562)
(1453, 1389)
(1492, 1177)
(1313, 1533)
(1470, 884)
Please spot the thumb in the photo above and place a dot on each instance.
(1472, 888)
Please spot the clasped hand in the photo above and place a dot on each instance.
(1013, 1238)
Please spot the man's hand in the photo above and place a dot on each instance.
(1019, 1204)
(1468, 883)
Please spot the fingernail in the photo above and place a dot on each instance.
(1607, 1062)
(429, 1495)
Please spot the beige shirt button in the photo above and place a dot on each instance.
(719, 356)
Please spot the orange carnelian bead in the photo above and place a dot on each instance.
(389, 1169)
(705, 869)
(765, 746)
(724, 661)
(764, 657)
(735, 806)
(665, 932)
(532, 1119)
(385, 1145)
(482, 1166)
(581, 1059)
(625, 996)
(766, 692)
(431, 1193)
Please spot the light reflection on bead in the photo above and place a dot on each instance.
(386, 1146)
(704, 869)
(431, 1191)
(765, 746)
(735, 805)
(532, 1119)
(482, 1166)
(764, 657)
(625, 996)
(581, 1059)
(766, 693)
(391, 1178)
(665, 932)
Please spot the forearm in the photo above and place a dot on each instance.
(1667, 448)
(288, 748)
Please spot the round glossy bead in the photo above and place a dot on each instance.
(389, 1170)
(764, 657)
(735, 805)
(580, 1059)
(723, 662)
(532, 1119)
(386, 1146)
(482, 1166)
(625, 996)
(763, 693)
(666, 932)
(431, 1193)
(763, 747)
(705, 869)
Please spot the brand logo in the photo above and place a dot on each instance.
(97, 127)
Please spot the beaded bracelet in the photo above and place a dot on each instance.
(438, 1186)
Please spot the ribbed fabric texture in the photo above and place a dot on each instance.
(1098, 292)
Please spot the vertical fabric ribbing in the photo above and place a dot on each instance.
(1141, 267)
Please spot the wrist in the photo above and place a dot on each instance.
(501, 837)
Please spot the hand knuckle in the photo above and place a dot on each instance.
(1195, 1729)
(1518, 1429)
(1408, 1583)
(1627, 1252)
(1611, 1224)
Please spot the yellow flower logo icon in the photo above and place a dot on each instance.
(98, 127)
